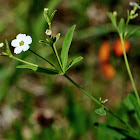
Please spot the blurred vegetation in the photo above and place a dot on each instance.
(36, 106)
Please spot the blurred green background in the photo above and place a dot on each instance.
(36, 106)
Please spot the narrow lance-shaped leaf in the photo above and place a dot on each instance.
(74, 61)
(56, 38)
(130, 33)
(34, 68)
(66, 46)
(122, 25)
(44, 42)
(3, 55)
(52, 16)
(39, 69)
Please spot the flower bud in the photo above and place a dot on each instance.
(115, 13)
(132, 12)
(46, 10)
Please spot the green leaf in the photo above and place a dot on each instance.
(128, 103)
(47, 71)
(130, 33)
(44, 42)
(100, 111)
(66, 46)
(39, 69)
(74, 61)
(135, 104)
(52, 16)
(119, 133)
(122, 25)
(34, 68)
(56, 38)
(2, 55)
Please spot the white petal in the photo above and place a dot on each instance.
(15, 43)
(18, 50)
(134, 4)
(26, 47)
(48, 32)
(1, 45)
(28, 40)
(21, 37)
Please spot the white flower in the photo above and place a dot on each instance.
(48, 32)
(1, 45)
(21, 43)
(134, 4)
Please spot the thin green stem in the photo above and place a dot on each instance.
(128, 18)
(57, 56)
(95, 100)
(128, 69)
(25, 62)
(90, 96)
(42, 58)
(127, 21)
(50, 29)
(55, 51)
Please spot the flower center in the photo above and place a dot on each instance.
(21, 43)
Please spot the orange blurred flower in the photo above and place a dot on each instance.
(104, 52)
(108, 70)
(118, 48)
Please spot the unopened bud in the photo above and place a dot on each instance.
(46, 9)
(132, 12)
(115, 13)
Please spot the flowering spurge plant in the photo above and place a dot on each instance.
(22, 42)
